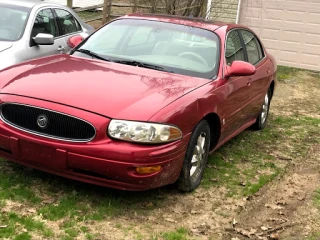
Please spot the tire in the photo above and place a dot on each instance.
(261, 121)
(195, 160)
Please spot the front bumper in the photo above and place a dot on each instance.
(102, 161)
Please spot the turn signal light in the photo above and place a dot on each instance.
(148, 170)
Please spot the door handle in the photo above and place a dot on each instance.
(61, 48)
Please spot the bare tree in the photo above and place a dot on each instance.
(220, 9)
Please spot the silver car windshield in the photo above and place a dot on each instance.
(13, 20)
(168, 47)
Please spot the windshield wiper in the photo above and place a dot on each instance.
(92, 54)
(141, 64)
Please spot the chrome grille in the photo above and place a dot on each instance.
(47, 123)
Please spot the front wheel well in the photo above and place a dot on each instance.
(215, 128)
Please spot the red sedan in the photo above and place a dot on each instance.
(139, 104)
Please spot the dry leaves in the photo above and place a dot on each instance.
(170, 220)
(263, 228)
(273, 206)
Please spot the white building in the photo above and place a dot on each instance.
(290, 29)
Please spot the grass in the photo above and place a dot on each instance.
(179, 234)
(237, 164)
(89, 14)
(242, 166)
(15, 224)
(317, 198)
(315, 236)
(16, 186)
(284, 72)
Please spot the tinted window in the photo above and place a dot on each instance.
(12, 22)
(234, 49)
(174, 48)
(44, 23)
(67, 22)
(254, 51)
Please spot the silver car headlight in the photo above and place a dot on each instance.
(143, 132)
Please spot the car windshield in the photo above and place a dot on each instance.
(12, 22)
(162, 46)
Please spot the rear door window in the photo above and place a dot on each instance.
(253, 47)
(67, 22)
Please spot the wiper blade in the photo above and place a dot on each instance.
(141, 64)
(92, 54)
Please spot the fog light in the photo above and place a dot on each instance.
(146, 170)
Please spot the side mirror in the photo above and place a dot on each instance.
(240, 68)
(44, 39)
(74, 41)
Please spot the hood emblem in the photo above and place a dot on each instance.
(42, 121)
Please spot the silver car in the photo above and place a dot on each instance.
(32, 29)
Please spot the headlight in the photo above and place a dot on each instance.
(143, 132)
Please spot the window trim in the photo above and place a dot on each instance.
(259, 45)
(31, 42)
(59, 25)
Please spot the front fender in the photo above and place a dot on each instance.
(187, 111)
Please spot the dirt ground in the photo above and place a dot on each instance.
(283, 209)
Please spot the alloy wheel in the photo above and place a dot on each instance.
(265, 108)
(197, 160)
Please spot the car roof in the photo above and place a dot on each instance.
(27, 3)
(190, 21)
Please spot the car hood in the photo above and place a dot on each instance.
(5, 45)
(110, 89)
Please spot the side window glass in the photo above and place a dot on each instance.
(67, 22)
(234, 49)
(44, 23)
(254, 51)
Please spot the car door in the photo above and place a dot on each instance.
(237, 90)
(68, 26)
(44, 22)
(260, 80)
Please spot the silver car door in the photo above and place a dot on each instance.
(69, 25)
(44, 22)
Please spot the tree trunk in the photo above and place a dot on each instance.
(70, 3)
(106, 11)
(135, 4)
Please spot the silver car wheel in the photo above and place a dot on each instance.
(265, 108)
(197, 160)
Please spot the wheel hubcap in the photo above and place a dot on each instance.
(265, 107)
(198, 156)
